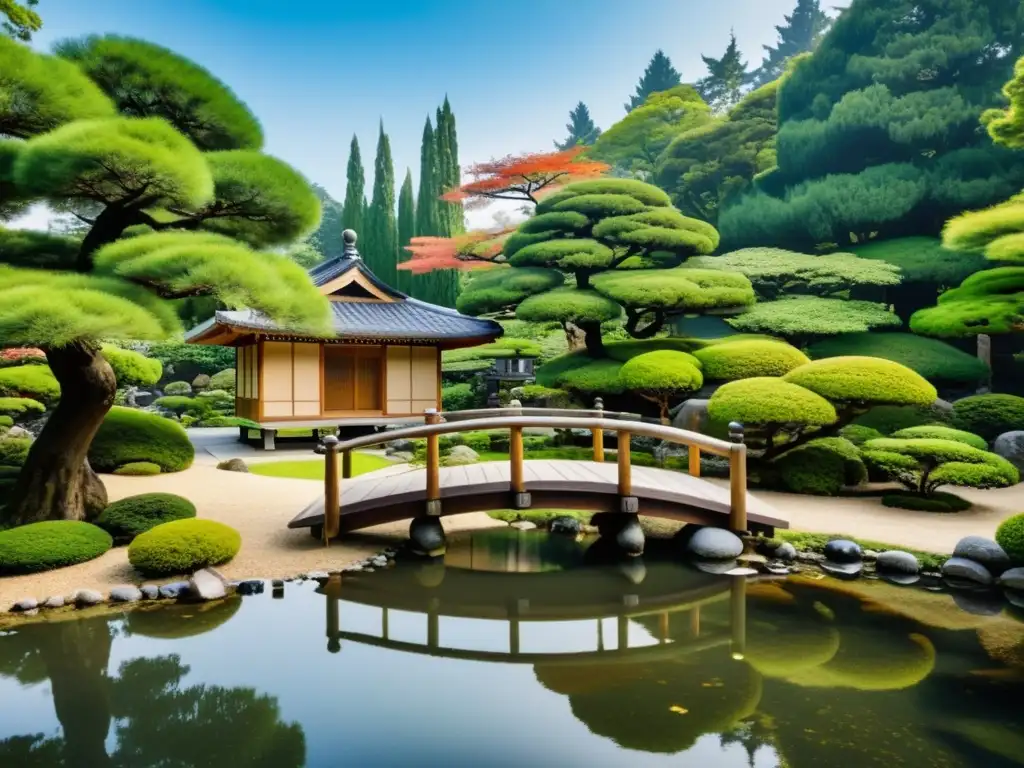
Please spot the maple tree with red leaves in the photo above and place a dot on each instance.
(21, 354)
(524, 177)
(472, 250)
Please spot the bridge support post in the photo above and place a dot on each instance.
(737, 480)
(598, 432)
(426, 535)
(693, 454)
(331, 595)
(738, 616)
(332, 490)
(520, 498)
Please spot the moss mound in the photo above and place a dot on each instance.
(822, 467)
(48, 545)
(863, 380)
(1010, 536)
(935, 502)
(20, 407)
(128, 436)
(989, 415)
(14, 450)
(183, 546)
(938, 432)
(36, 382)
(129, 517)
(766, 400)
(749, 359)
(139, 468)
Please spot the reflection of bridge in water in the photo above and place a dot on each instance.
(435, 593)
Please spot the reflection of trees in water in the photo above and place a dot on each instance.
(159, 721)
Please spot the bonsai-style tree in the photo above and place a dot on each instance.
(748, 358)
(161, 161)
(804, 319)
(662, 377)
(921, 465)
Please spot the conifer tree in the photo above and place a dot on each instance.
(801, 33)
(355, 192)
(406, 227)
(581, 129)
(448, 175)
(327, 239)
(660, 75)
(382, 251)
(426, 198)
(722, 89)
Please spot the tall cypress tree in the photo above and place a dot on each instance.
(453, 175)
(660, 75)
(442, 139)
(722, 89)
(355, 191)
(383, 247)
(802, 32)
(406, 228)
(426, 199)
(581, 129)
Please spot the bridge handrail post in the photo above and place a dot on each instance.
(738, 616)
(737, 479)
(332, 489)
(515, 457)
(433, 457)
(598, 432)
(346, 465)
(625, 467)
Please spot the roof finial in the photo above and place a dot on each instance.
(349, 238)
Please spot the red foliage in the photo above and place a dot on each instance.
(524, 177)
(21, 355)
(470, 251)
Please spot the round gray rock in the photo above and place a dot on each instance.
(461, 455)
(843, 551)
(967, 570)
(233, 465)
(980, 603)
(86, 597)
(25, 604)
(125, 594)
(897, 561)
(150, 591)
(1010, 445)
(54, 601)
(174, 590)
(716, 567)
(630, 538)
(427, 536)
(900, 579)
(1013, 579)
(250, 587)
(785, 552)
(206, 585)
(522, 525)
(400, 446)
(564, 525)
(841, 570)
(984, 552)
(715, 544)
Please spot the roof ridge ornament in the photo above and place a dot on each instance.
(349, 238)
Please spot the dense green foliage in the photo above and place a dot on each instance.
(31, 381)
(679, 290)
(990, 302)
(662, 377)
(494, 290)
(723, 86)
(224, 379)
(924, 464)
(380, 237)
(769, 403)
(178, 388)
(821, 467)
(937, 501)
(801, 34)
(20, 407)
(938, 362)
(132, 368)
(128, 435)
(138, 469)
(48, 545)
(939, 432)
(748, 359)
(989, 415)
(183, 546)
(127, 518)
(1010, 536)
(659, 75)
(354, 207)
(867, 146)
(568, 305)
(889, 419)
(186, 361)
(182, 404)
(14, 451)
(809, 317)
(460, 397)
(707, 167)
(775, 272)
(581, 129)
(863, 381)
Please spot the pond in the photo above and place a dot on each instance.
(518, 649)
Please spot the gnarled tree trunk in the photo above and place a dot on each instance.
(57, 482)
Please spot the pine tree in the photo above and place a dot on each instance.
(722, 89)
(426, 198)
(382, 250)
(454, 176)
(327, 238)
(802, 32)
(581, 128)
(660, 75)
(406, 228)
(449, 214)
(355, 192)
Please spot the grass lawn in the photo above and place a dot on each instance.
(313, 469)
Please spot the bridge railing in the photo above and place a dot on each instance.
(597, 421)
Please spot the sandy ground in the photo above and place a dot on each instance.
(260, 507)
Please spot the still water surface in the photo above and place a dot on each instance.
(517, 651)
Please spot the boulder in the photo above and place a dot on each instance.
(900, 579)
(1010, 445)
(18, 432)
(206, 585)
(523, 525)
(785, 552)
(564, 525)
(966, 570)
(54, 601)
(400, 446)
(979, 602)
(426, 536)
(125, 594)
(1013, 579)
(843, 551)
(984, 552)
(86, 597)
(692, 416)
(144, 399)
(401, 457)
(897, 562)
(715, 544)
(250, 587)
(462, 454)
(150, 591)
(174, 590)
(842, 570)
(630, 537)
(716, 567)
(233, 465)
(24, 605)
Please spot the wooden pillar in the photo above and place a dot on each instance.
(623, 634)
(332, 490)
(346, 465)
(333, 613)
(738, 616)
(625, 469)
(433, 460)
(737, 480)
(663, 626)
(515, 456)
(434, 624)
(598, 432)
(694, 456)
(695, 621)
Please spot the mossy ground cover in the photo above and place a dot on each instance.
(815, 542)
(313, 469)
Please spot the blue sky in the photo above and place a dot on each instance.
(317, 71)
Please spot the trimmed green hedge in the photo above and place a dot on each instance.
(182, 404)
(989, 415)
(32, 381)
(134, 515)
(568, 305)
(1010, 536)
(936, 502)
(888, 419)
(127, 436)
(935, 360)
(749, 359)
(937, 432)
(14, 450)
(818, 470)
(51, 544)
(139, 469)
(178, 388)
(766, 400)
(662, 374)
(132, 368)
(183, 546)
(460, 397)
(858, 434)
(20, 407)
(863, 381)
(223, 380)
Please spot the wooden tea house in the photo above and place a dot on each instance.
(382, 366)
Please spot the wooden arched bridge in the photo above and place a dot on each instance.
(349, 504)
